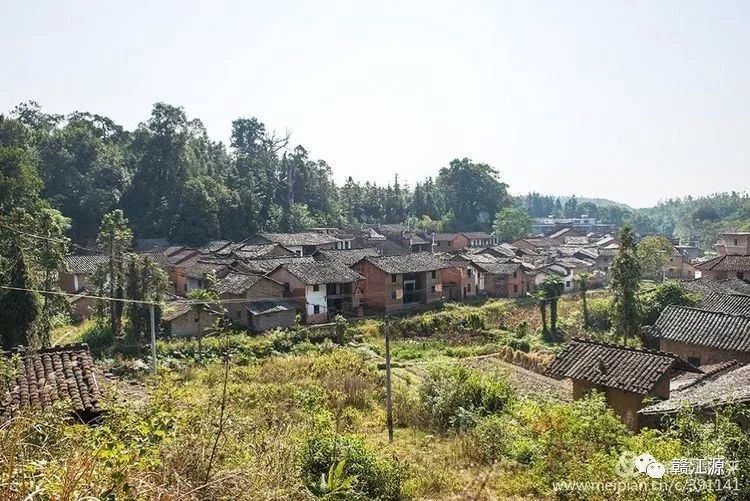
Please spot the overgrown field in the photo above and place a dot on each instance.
(300, 415)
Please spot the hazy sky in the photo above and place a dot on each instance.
(634, 101)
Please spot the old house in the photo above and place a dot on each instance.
(734, 304)
(449, 242)
(42, 378)
(261, 251)
(236, 287)
(180, 318)
(732, 261)
(625, 375)
(720, 385)
(267, 314)
(560, 235)
(726, 286)
(78, 271)
(702, 337)
(322, 289)
(502, 277)
(347, 257)
(679, 267)
(480, 239)
(397, 282)
(534, 244)
(303, 244)
(461, 279)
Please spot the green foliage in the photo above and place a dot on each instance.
(334, 485)
(374, 476)
(654, 255)
(19, 309)
(455, 397)
(600, 315)
(654, 300)
(512, 223)
(625, 281)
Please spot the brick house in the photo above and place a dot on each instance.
(505, 279)
(679, 267)
(397, 282)
(461, 279)
(78, 271)
(625, 375)
(450, 242)
(733, 260)
(560, 236)
(322, 289)
(534, 244)
(237, 286)
(702, 337)
(480, 239)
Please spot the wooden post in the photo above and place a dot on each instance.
(153, 340)
(388, 400)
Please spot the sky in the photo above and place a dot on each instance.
(635, 101)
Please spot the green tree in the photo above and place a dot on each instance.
(511, 224)
(19, 181)
(654, 255)
(115, 240)
(197, 218)
(570, 208)
(145, 281)
(19, 309)
(540, 296)
(625, 280)
(473, 192)
(654, 300)
(553, 287)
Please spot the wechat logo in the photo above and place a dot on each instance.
(630, 465)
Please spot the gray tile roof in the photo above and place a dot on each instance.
(725, 263)
(270, 306)
(237, 283)
(267, 265)
(46, 376)
(299, 239)
(416, 262)
(726, 386)
(84, 265)
(728, 286)
(734, 304)
(628, 369)
(477, 235)
(322, 272)
(347, 256)
(703, 328)
(259, 251)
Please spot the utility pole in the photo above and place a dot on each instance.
(388, 400)
(153, 340)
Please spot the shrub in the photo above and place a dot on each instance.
(599, 315)
(656, 299)
(375, 476)
(98, 336)
(449, 393)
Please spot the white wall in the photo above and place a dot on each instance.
(316, 298)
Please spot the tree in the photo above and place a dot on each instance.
(540, 296)
(654, 254)
(656, 299)
(570, 208)
(18, 308)
(625, 280)
(584, 281)
(473, 192)
(145, 281)
(197, 218)
(19, 181)
(430, 225)
(511, 224)
(114, 240)
(553, 288)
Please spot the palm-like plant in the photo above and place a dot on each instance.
(584, 281)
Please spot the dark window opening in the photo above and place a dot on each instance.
(316, 309)
(394, 278)
(316, 288)
(434, 274)
(696, 361)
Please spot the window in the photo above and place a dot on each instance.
(434, 274)
(394, 278)
(393, 295)
(515, 289)
(316, 288)
(735, 242)
(567, 283)
(432, 289)
(239, 314)
(185, 287)
(696, 361)
(740, 275)
(450, 244)
(468, 287)
(316, 309)
(298, 252)
(515, 274)
(469, 271)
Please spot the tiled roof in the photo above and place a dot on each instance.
(83, 265)
(560, 232)
(319, 272)
(270, 306)
(159, 257)
(703, 328)
(734, 304)
(477, 235)
(573, 263)
(576, 240)
(720, 388)
(416, 262)
(267, 265)
(725, 263)
(727, 286)
(258, 251)
(347, 256)
(237, 283)
(628, 369)
(299, 239)
(445, 237)
(216, 245)
(49, 375)
(200, 268)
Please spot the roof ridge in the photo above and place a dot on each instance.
(707, 376)
(676, 307)
(629, 348)
(48, 349)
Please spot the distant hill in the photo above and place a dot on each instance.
(601, 202)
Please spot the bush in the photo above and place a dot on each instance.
(98, 336)
(656, 299)
(375, 476)
(453, 397)
(599, 314)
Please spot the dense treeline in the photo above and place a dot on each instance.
(173, 181)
